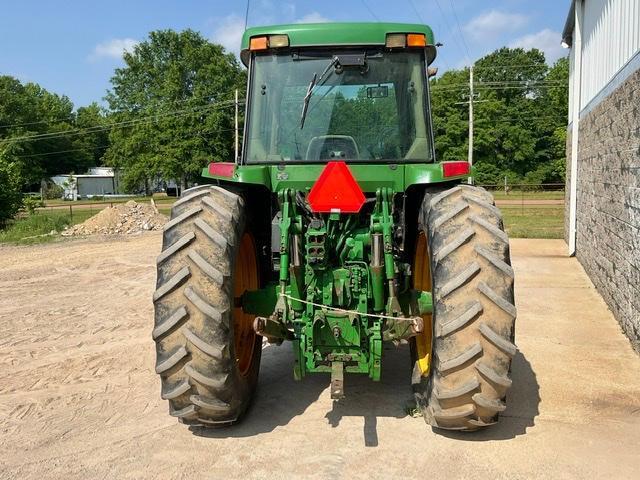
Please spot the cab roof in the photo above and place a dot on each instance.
(336, 34)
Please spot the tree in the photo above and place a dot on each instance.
(519, 121)
(90, 146)
(10, 183)
(450, 115)
(41, 136)
(46, 136)
(170, 107)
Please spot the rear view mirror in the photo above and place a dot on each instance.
(381, 91)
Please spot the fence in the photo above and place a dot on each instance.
(523, 194)
(532, 211)
(78, 212)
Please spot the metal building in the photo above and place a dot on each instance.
(603, 151)
(98, 181)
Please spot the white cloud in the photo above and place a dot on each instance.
(229, 33)
(545, 40)
(492, 24)
(113, 48)
(313, 17)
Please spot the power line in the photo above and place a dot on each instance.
(70, 119)
(52, 135)
(413, 6)
(464, 41)
(511, 65)
(446, 22)
(520, 82)
(370, 11)
(35, 123)
(138, 121)
(505, 87)
(483, 68)
(44, 154)
(484, 121)
(513, 82)
(481, 86)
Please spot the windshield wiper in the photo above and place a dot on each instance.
(315, 81)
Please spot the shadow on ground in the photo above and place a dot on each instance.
(522, 407)
(280, 398)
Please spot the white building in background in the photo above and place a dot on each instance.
(603, 151)
(99, 181)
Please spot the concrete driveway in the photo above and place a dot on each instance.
(79, 398)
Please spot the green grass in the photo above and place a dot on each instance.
(534, 222)
(36, 228)
(528, 222)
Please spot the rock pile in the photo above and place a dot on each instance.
(123, 219)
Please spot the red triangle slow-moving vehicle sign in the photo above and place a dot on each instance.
(336, 191)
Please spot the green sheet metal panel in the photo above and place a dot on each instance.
(354, 33)
(370, 177)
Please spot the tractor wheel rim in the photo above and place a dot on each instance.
(246, 278)
(422, 281)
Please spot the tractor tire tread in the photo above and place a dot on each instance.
(174, 319)
(194, 303)
(470, 313)
(182, 242)
(473, 310)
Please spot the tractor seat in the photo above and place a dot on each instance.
(332, 147)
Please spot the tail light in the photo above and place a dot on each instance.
(455, 169)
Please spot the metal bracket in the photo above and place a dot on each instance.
(402, 328)
(337, 380)
(272, 329)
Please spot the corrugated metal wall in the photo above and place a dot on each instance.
(611, 37)
(572, 63)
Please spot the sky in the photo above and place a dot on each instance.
(72, 47)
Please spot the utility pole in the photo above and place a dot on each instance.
(236, 126)
(471, 100)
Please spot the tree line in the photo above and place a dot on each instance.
(170, 111)
(167, 115)
(520, 116)
(39, 137)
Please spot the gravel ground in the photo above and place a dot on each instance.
(79, 398)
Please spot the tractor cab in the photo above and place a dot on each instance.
(338, 92)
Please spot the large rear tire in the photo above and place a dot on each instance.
(462, 384)
(208, 355)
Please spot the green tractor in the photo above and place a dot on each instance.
(336, 230)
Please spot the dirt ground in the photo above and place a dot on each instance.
(79, 397)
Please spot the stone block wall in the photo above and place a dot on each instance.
(608, 202)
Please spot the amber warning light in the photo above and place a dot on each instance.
(402, 40)
(336, 191)
(272, 41)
